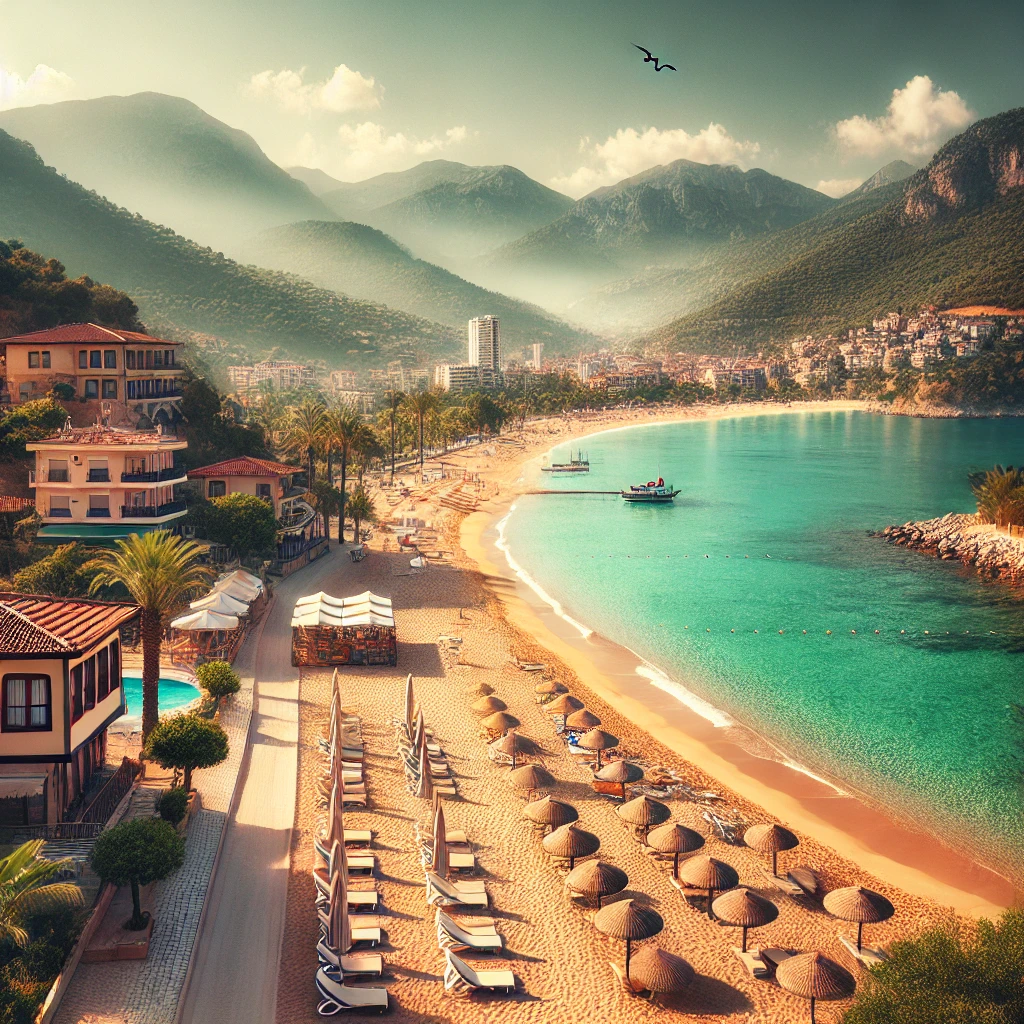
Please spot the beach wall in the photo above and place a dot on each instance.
(961, 537)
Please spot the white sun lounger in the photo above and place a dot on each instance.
(359, 934)
(786, 885)
(868, 957)
(450, 934)
(349, 963)
(440, 890)
(337, 996)
(753, 962)
(355, 899)
(460, 977)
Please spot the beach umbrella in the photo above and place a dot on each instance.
(859, 905)
(569, 842)
(439, 858)
(629, 920)
(582, 720)
(334, 828)
(770, 839)
(419, 729)
(424, 785)
(744, 909)
(564, 705)
(813, 976)
(622, 772)
(247, 578)
(531, 777)
(550, 686)
(549, 811)
(656, 970)
(488, 705)
(708, 873)
(501, 722)
(337, 899)
(643, 812)
(510, 744)
(480, 689)
(238, 589)
(674, 839)
(597, 879)
(598, 740)
(409, 706)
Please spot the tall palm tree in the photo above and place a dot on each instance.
(343, 429)
(26, 889)
(361, 509)
(161, 572)
(305, 433)
(394, 400)
(419, 404)
(326, 500)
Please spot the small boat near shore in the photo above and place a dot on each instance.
(652, 492)
(579, 464)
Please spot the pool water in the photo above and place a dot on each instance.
(174, 694)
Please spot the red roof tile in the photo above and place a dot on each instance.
(82, 332)
(245, 466)
(31, 624)
(11, 504)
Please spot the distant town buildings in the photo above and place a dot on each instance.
(275, 374)
(485, 343)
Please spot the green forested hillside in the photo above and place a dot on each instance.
(179, 285)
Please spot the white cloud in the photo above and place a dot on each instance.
(44, 85)
(919, 119)
(628, 152)
(358, 151)
(345, 91)
(837, 187)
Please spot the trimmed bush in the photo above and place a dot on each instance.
(218, 679)
(187, 742)
(173, 805)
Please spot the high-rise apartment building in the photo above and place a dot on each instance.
(485, 343)
(538, 355)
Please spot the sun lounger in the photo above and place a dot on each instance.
(356, 898)
(360, 933)
(789, 887)
(349, 963)
(806, 878)
(774, 956)
(441, 891)
(456, 861)
(620, 973)
(450, 934)
(358, 835)
(866, 956)
(452, 836)
(336, 996)
(460, 977)
(753, 961)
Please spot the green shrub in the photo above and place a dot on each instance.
(242, 522)
(218, 679)
(187, 742)
(173, 805)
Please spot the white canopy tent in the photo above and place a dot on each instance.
(223, 604)
(358, 630)
(205, 620)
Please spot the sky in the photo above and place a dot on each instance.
(821, 94)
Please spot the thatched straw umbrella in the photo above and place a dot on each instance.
(643, 812)
(598, 740)
(549, 811)
(550, 686)
(629, 920)
(596, 879)
(488, 705)
(500, 722)
(480, 689)
(859, 905)
(569, 842)
(510, 744)
(674, 839)
(710, 874)
(582, 720)
(564, 705)
(622, 772)
(531, 777)
(813, 976)
(770, 839)
(656, 970)
(744, 909)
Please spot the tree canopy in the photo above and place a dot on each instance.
(187, 742)
(242, 522)
(59, 574)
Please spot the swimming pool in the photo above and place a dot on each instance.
(174, 694)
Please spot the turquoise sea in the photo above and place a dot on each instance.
(770, 533)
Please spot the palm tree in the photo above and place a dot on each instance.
(326, 500)
(419, 404)
(1000, 495)
(361, 509)
(394, 400)
(305, 434)
(344, 430)
(161, 572)
(26, 889)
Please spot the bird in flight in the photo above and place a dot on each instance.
(650, 57)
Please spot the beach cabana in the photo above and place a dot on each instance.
(238, 589)
(675, 839)
(860, 906)
(741, 908)
(568, 842)
(582, 720)
(629, 920)
(205, 635)
(643, 813)
(813, 976)
(657, 971)
(710, 874)
(596, 879)
(222, 603)
(770, 838)
(244, 577)
(357, 630)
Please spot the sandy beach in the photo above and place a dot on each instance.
(560, 961)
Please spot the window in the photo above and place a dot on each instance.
(25, 390)
(76, 693)
(33, 360)
(110, 359)
(92, 389)
(149, 359)
(110, 389)
(58, 471)
(140, 360)
(90, 683)
(99, 505)
(60, 505)
(129, 359)
(171, 354)
(83, 360)
(26, 703)
(102, 675)
(263, 491)
(216, 489)
(46, 360)
(99, 471)
(115, 665)
(22, 801)
(94, 360)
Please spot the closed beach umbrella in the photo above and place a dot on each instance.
(488, 705)
(744, 909)
(419, 729)
(859, 905)
(596, 879)
(335, 829)
(674, 839)
(480, 689)
(629, 920)
(439, 858)
(622, 772)
(424, 785)
(501, 722)
(582, 720)
(531, 777)
(598, 740)
(550, 686)
(510, 744)
(643, 812)
(337, 898)
(813, 976)
(549, 811)
(564, 705)
(410, 706)
(770, 839)
(708, 873)
(656, 970)
(569, 842)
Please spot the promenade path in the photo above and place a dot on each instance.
(234, 977)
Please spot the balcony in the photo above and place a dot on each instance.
(98, 513)
(140, 394)
(153, 476)
(99, 476)
(48, 476)
(151, 511)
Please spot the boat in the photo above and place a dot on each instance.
(579, 464)
(651, 492)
